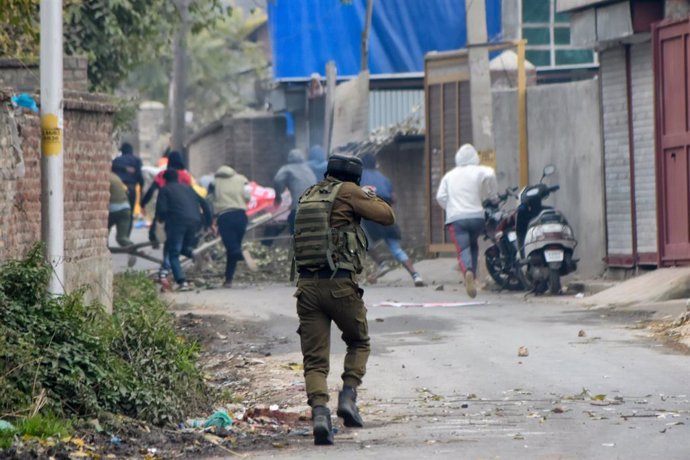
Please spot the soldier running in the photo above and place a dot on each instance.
(329, 249)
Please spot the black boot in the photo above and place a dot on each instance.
(347, 407)
(323, 431)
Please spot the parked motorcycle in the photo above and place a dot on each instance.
(546, 240)
(502, 257)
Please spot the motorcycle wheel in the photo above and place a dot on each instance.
(554, 281)
(521, 275)
(495, 269)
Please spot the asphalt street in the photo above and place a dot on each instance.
(447, 382)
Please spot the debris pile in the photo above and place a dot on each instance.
(273, 265)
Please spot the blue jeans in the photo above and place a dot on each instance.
(180, 238)
(465, 233)
(394, 247)
(231, 226)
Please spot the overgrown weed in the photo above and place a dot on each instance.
(85, 361)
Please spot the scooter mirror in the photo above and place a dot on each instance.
(549, 169)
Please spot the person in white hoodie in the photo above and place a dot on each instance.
(461, 194)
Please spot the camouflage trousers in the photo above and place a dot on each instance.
(321, 301)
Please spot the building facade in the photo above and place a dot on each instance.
(642, 112)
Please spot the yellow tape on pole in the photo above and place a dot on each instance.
(51, 135)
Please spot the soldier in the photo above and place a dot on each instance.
(329, 248)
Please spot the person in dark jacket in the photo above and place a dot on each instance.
(296, 176)
(376, 181)
(183, 212)
(128, 168)
(174, 161)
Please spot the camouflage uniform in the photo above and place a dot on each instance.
(324, 294)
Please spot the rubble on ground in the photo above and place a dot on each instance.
(273, 263)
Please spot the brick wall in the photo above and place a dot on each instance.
(404, 165)
(25, 76)
(87, 150)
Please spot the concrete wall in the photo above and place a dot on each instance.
(87, 151)
(150, 132)
(207, 149)
(563, 129)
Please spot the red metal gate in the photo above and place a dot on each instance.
(671, 72)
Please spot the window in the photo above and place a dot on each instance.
(548, 37)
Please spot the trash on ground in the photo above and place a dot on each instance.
(219, 418)
(523, 351)
(6, 426)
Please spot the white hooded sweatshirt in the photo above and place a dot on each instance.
(465, 187)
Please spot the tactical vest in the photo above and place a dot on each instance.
(316, 244)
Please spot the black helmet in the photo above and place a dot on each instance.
(344, 167)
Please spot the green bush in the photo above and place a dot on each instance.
(87, 361)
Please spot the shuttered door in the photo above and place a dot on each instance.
(449, 125)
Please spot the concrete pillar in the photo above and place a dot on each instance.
(510, 19)
(677, 9)
(480, 78)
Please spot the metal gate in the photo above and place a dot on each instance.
(671, 71)
(448, 125)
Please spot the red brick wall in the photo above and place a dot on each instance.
(87, 149)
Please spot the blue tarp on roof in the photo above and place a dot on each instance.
(306, 34)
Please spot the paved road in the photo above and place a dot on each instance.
(448, 382)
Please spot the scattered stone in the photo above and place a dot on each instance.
(523, 351)
(582, 333)
(440, 287)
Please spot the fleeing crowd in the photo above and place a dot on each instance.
(184, 209)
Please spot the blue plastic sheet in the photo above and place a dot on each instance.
(306, 34)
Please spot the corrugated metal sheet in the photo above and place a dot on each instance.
(645, 148)
(389, 107)
(616, 151)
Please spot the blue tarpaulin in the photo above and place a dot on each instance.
(306, 34)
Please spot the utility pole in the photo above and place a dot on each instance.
(331, 72)
(179, 91)
(480, 78)
(522, 114)
(52, 158)
(364, 64)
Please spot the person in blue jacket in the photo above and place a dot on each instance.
(391, 235)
